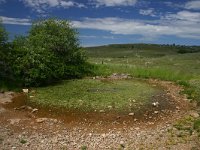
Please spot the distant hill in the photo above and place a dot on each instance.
(139, 50)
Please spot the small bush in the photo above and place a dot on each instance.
(23, 141)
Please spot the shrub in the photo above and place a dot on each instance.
(58, 37)
(36, 68)
(49, 53)
(5, 73)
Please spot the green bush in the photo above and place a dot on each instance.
(5, 48)
(79, 71)
(38, 68)
(58, 37)
(49, 53)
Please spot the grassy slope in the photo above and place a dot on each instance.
(150, 62)
(126, 51)
(88, 94)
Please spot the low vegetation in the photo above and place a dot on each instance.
(162, 62)
(90, 95)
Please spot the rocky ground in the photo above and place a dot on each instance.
(23, 127)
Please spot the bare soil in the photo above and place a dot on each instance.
(152, 127)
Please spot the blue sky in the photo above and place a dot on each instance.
(102, 22)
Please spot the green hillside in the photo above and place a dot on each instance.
(139, 50)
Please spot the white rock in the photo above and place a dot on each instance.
(156, 112)
(194, 114)
(40, 120)
(25, 90)
(155, 104)
(101, 111)
(90, 134)
(14, 121)
(109, 107)
(34, 110)
(131, 114)
(121, 143)
(14, 147)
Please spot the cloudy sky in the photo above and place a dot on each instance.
(102, 22)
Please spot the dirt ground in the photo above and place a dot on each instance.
(24, 127)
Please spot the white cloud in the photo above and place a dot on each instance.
(147, 12)
(42, 5)
(184, 16)
(15, 21)
(94, 37)
(183, 24)
(193, 5)
(114, 2)
(67, 4)
(88, 36)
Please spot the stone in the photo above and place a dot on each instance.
(90, 134)
(131, 114)
(101, 111)
(34, 110)
(122, 144)
(137, 128)
(194, 114)
(156, 112)
(14, 121)
(155, 104)
(29, 108)
(110, 107)
(22, 107)
(6, 97)
(2, 110)
(14, 147)
(103, 135)
(41, 120)
(25, 90)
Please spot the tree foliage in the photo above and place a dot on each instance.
(49, 53)
(4, 52)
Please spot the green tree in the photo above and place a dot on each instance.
(49, 53)
(59, 37)
(3, 35)
(4, 52)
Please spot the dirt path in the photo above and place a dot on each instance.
(23, 127)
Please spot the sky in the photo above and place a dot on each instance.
(102, 22)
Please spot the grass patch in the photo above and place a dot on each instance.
(197, 125)
(88, 94)
(22, 141)
(143, 72)
(184, 124)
